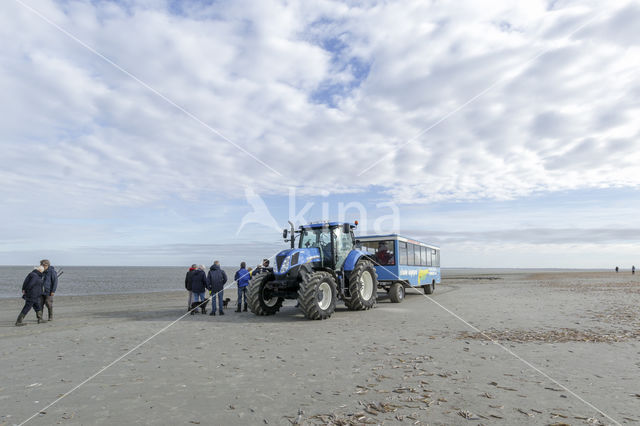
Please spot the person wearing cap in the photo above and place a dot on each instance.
(50, 285)
(261, 268)
(32, 293)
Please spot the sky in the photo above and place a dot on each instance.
(178, 132)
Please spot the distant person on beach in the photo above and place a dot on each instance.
(199, 285)
(187, 284)
(32, 294)
(242, 277)
(262, 268)
(633, 270)
(617, 269)
(217, 279)
(50, 285)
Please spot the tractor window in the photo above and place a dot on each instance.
(344, 245)
(320, 238)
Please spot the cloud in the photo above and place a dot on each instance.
(319, 91)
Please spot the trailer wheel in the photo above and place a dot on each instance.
(396, 293)
(318, 295)
(363, 286)
(259, 299)
(430, 288)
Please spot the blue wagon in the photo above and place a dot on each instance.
(402, 262)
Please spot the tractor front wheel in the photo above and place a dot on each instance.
(363, 287)
(261, 302)
(318, 295)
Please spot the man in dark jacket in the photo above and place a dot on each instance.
(242, 277)
(187, 284)
(217, 279)
(199, 285)
(50, 285)
(32, 293)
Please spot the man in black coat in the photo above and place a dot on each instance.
(217, 279)
(199, 286)
(187, 284)
(50, 285)
(32, 293)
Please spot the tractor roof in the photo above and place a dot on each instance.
(314, 225)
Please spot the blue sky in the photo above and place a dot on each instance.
(507, 133)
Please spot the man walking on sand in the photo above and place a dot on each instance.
(242, 277)
(633, 270)
(50, 285)
(32, 294)
(217, 279)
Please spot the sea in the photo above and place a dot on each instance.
(94, 280)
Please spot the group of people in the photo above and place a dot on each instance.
(197, 282)
(38, 289)
(633, 269)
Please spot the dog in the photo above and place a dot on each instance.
(225, 302)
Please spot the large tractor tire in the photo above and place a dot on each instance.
(430, 288)
(363, 286)
(396, 293)
(260, 301)
(318, 295)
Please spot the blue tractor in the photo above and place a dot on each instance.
(324, 267)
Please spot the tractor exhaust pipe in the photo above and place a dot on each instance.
(293, 234)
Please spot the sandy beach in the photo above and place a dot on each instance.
(411, 363)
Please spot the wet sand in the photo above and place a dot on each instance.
(408, 363)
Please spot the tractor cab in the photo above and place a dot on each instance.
(322, 267)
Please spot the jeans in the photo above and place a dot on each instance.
(198, 297)
(220, 301)
(242, 291)
(31, 303)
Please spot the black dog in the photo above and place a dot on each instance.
(225, 302)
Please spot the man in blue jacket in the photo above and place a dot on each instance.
(31, 293)
(217, 279)
(242, 278)
(50, 285)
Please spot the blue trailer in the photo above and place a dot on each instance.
(402, 262)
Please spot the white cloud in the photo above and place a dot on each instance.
(318, 91)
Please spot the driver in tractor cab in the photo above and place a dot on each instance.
(383, 256)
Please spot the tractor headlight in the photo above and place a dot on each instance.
(285, 264)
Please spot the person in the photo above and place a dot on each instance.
(32, 294)
(261, 268)
(187, 284)
(242, 277)
(633, 269)
(617, 269)
(49, 287)
(217, 279)
(383, 256)
(199, 285)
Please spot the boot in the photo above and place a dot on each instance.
(213, 313)
(19, 322)
(39, 315)
(221, 312)
(238, 310)
(245, 307)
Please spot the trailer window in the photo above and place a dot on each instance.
(423, 256)
(382, 252)
(437, 259)
(403, 253)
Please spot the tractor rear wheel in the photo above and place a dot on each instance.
(363, 286)
(318, 295)
(260, 300)
(396, 293)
